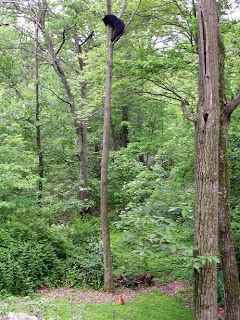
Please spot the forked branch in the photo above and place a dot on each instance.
(233, 104)
(64, 37)
(185, 113)
(132, 16)
(124, 3)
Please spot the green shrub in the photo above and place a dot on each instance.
(28, 265)
(30, 257)
(36, 255)
(84, 264)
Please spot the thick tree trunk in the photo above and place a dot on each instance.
(108, 280)
(227, 252)
(37, 111)
(226, 247)
(206, 163)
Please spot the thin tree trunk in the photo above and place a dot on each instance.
(108, 279)
(37, 111)
(81, 128)
(226, 247)
(83, 124)
(206, 163)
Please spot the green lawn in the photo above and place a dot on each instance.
(151, 306)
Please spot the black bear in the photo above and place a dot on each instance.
(116, 23)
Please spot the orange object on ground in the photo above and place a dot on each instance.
(120, 299)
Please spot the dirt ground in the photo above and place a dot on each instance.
(97, 297)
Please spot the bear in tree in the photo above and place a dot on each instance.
(116, 23)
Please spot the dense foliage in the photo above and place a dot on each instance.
(55, 239)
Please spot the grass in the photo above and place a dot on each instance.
(151, 306)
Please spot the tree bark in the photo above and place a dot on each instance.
(206, 163)
(37, 109)
(108, 279)
(80, 126)
(83, 123)
(226, 247)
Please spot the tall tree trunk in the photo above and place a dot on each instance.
(80, 126)
(108, 280)
(83, 143)
(206, 163)
(226, 247)
(37, 110)
(83, 123)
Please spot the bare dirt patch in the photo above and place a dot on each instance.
(172, 288)
(98, 297)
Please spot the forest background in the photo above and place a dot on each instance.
(51, 131)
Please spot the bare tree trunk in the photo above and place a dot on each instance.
(108, 279)
(206, 163)
(38, 128)
(84, 142)
(83, 123)
(226, 247)
(81, 128)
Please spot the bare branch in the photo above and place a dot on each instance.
(64, 37)
(167, 88)
(95, 113)
(88, 37)
(130, 20)
(134, 12)
(185, 113)
(124, 3)
(56, 95)
(154, 94)
(233, 104)
(182, 13)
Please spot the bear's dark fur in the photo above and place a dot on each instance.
(116, 23)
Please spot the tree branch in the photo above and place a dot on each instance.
(130, 20)
(133, 15)
(56, 95)
(233, 104)
(154, 94)
(64, 37)
(124, 3)
(88, 37)
(22, 31)
(185, 113)
(163, 86)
